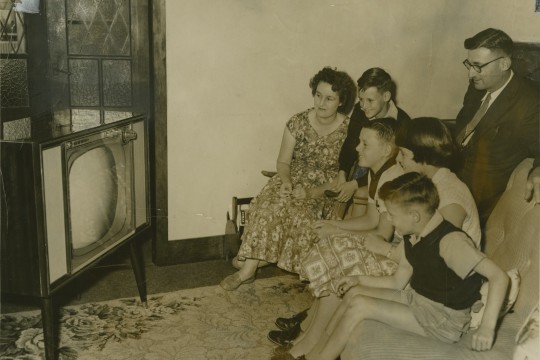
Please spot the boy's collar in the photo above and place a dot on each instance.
(375, 176)
(387, 165)
(435, 221)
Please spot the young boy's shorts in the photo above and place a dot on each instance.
(438, 321)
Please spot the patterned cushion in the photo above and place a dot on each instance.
(477, 310)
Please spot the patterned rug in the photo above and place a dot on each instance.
(201, 323)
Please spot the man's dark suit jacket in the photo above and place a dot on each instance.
(508, 133)
(348, 155)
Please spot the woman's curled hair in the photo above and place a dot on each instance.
(341, 83)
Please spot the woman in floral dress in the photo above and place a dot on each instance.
(280, 217)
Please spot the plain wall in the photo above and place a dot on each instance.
(237, 70)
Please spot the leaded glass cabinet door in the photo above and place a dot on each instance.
(14, 90)
(86, 58)
(99, 59)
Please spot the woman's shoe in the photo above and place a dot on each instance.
(232, 282)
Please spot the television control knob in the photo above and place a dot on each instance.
(112, 133)
(129, 135)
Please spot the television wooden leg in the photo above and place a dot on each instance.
(137, 262)
(49, 331)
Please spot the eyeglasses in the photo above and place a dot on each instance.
(478, 68)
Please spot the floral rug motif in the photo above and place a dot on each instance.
(201, 323)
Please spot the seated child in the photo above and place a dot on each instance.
(376, 151)
(440, 262)
(376, 100)
(426, 146)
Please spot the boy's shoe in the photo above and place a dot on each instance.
(292, 322)
(282, 353)
(284, 337)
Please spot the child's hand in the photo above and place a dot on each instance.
(346, 190)
(482, 340)
(345, 283)
(339, 180)
(324, 228)
(371, 241)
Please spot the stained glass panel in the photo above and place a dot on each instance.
(84, 119)
(97, 27)
(17, 129)
(116, 82)
(112, 116)
(12, 31)
(84, 82)
(14, 84)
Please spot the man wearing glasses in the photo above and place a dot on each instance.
(498, 125)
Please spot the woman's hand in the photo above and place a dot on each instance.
(482, 339)
(299, 193)
(285, 190)
(345, 283)
(325, 228)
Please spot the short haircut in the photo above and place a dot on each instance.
(492, 39)
(411, 189)
(429, 140)
(384, 127)
(377, 77)
(341, 83)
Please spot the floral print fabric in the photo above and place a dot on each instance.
(279, 229)
(341, 255)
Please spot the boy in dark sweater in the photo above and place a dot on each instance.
(376, 100)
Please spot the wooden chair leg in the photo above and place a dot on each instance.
(234, 228)
(359, 204)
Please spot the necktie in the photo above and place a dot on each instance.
(469, 129)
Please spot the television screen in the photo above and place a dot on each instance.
(99, 188)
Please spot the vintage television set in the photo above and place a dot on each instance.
(94, 195)
(68, 201)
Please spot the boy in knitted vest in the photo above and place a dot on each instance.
(444, 268)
